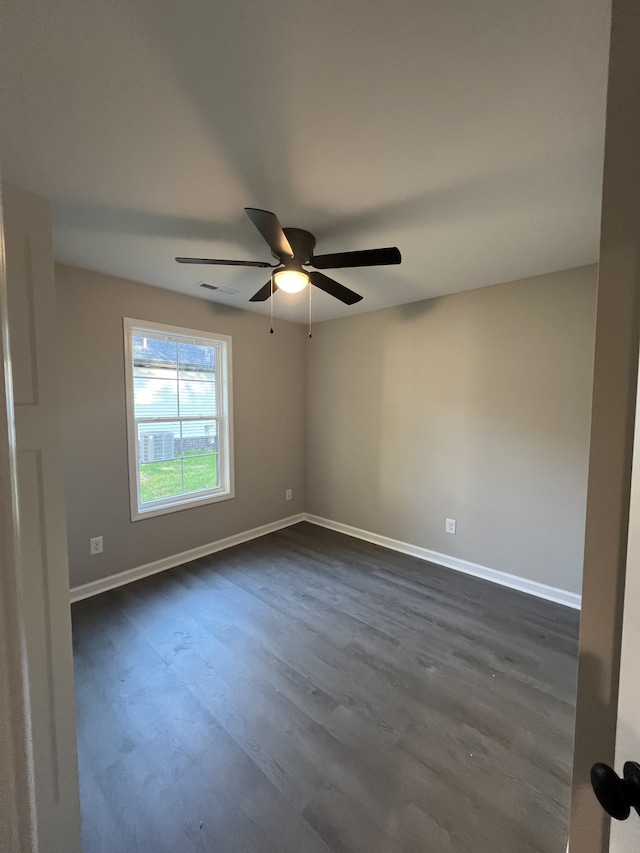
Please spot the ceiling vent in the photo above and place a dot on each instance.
(206, 286)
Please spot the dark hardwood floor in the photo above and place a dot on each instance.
(308, 692)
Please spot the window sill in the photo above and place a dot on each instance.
(179, 505)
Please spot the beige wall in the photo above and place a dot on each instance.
(268, 373)
(474, 406)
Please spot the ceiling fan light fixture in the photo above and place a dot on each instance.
(294, 248)
(291, 281)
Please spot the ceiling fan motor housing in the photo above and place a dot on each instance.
(302, 242)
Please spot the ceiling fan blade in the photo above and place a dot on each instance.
(364, 258)
(268, 225)
(264, 293)
(218, 262)
(333, 288)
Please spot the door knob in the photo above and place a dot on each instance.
(617, 796)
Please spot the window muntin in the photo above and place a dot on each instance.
(178, 417)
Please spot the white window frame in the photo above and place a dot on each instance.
(224, 419)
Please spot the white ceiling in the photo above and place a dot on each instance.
(469, 133)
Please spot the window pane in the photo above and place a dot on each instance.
(200, 472)
(155, 398)
(160, 480)
(151, 372)
(198, 438)
(197, 362)
(158, 442)
(152, 356)
(197, 399)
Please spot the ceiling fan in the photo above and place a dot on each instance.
(293, 249)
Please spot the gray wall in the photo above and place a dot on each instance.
(268, 374)
(474, 406)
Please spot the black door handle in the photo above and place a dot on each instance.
(617, 796)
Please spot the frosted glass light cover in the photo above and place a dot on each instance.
(291, 281)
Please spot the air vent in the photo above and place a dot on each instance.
(207, 286)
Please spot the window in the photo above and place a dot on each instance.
(178, 385)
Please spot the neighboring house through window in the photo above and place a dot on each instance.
(178, 384)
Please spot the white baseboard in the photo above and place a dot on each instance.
(541, 590)
(96, 587)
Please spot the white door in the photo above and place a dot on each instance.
(36, 674)
(608, 706)
(625, 835)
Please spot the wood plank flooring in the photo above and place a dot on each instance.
(311, 693)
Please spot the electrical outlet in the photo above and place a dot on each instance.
(288, 495)
(450, 525)
(95, 545)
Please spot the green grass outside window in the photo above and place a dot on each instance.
(164, 479)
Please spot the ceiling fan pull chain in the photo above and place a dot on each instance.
(309, 287)
(271, 300)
